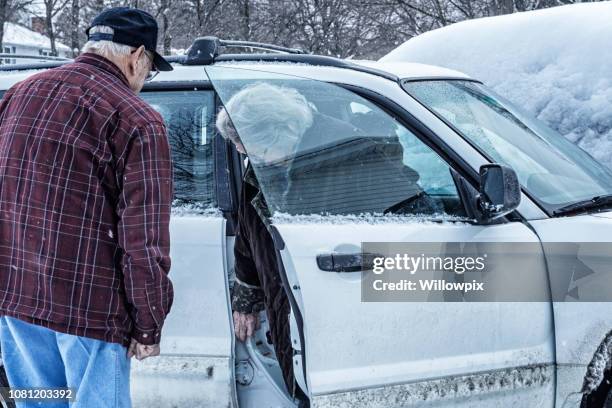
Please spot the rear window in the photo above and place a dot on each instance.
(189, 120)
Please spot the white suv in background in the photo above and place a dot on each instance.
(442, 125)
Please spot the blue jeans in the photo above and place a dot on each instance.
(35, 356)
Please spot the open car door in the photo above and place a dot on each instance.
(337, 171)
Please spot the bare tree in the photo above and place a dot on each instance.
(3, 19)
(499, 7)
(52, 8)
(74, 22)
(203, 10)
(8, 9)
(247, 29)
(98, 5)
(70, 23)
(343, 28)
(162, 13)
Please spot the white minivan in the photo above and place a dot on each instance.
(490, 174)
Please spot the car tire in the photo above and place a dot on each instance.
(4, 384)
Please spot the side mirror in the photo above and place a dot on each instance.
(500, 191)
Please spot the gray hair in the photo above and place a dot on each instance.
(107, 49)
(267, 113)
(225, 126)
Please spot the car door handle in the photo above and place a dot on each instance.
(346, 262)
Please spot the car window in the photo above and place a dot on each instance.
(318, 148)
(552, 169)
(189, 120)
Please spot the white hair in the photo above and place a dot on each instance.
(225, 126)
(267, 113)
(108, 49)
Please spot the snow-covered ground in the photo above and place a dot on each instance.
(555, 63)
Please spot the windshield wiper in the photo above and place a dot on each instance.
(596, 202)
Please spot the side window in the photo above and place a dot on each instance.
(318, 148)
(189, 120)
(434, 174)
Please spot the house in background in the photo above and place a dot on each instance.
(25, 41)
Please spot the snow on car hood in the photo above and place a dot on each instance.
(555, 63)
(607, 214)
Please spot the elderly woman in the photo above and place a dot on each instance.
(271, 132)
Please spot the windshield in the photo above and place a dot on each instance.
(553, 170)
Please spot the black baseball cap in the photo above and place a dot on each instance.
(132, 27)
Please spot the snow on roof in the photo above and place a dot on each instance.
(555, 63)
(19, 35)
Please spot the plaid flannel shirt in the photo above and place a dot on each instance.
(85, 198)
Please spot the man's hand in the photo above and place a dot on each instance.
(142, 351)
(245, 324)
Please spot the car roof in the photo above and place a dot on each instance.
(401, 70)
(413, 70)
(181, 73)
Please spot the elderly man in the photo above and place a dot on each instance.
(85, 196)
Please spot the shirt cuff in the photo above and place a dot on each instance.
(147, 337)
(246, 298)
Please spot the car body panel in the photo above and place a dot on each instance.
(182, 381)
(10, 78)
(194, 73)
(580, 327)
(196, 361)
(180, 73)
(413, 70)
(454, 342)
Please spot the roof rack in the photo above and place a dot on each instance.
(308, 59)
(260, 46)
(206, 51)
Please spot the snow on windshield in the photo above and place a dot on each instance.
(558, 71)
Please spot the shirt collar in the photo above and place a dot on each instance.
(99, 61)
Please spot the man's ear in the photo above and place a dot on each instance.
(134, 57)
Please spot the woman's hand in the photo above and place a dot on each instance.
(245, 324)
